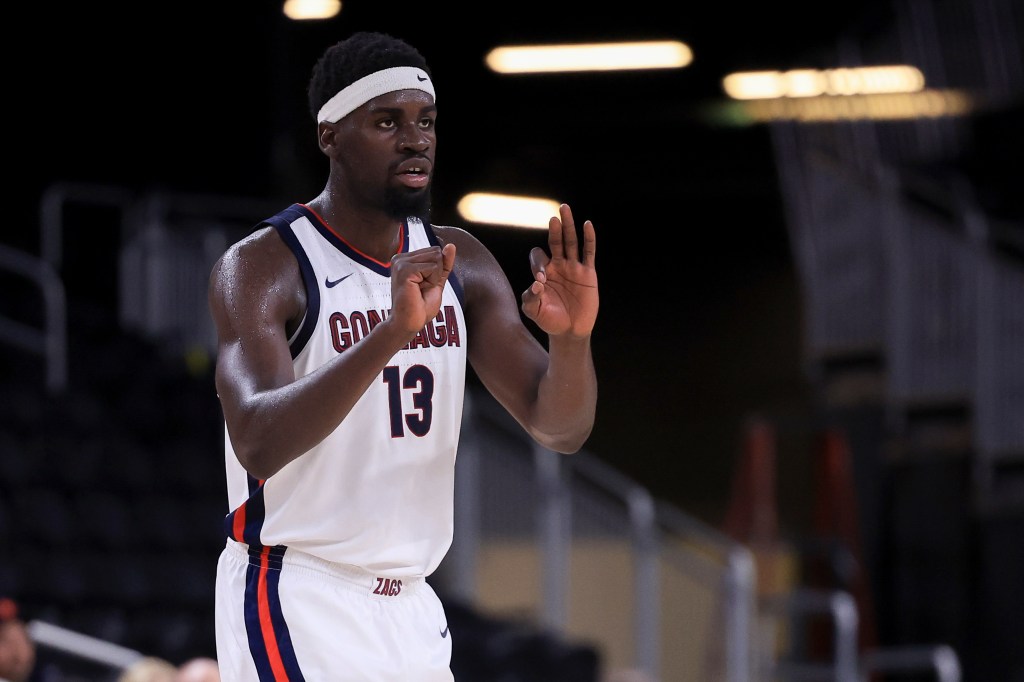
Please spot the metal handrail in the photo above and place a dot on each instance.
(51, 340)
(51, 212)
(643, 520)
(842, 608)
(942, 659)
(704, 553)
(82, 646)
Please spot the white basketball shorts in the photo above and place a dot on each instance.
(283, 615)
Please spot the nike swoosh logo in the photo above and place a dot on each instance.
(444, 633)
(420, 78)
(329, 284)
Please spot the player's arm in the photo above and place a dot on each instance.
(256, 296)
(551, 392)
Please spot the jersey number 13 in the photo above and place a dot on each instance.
(420, 381)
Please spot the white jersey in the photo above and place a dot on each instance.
(377, 493)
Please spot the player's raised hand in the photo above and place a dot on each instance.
(417, 283)
(563, 297)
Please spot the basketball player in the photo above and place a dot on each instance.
(345, 324)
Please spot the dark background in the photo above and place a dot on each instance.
(700, 317)
(701, 321)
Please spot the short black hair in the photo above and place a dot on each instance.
(359, 55)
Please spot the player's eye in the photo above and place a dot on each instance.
(386, 123)
(426, 123)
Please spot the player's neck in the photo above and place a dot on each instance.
(371, 231)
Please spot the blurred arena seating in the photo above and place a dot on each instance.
(111, 500)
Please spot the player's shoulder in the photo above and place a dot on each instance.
(465, 242)
(257, 244)
(475, 265)
(254, 254)
(450, 233)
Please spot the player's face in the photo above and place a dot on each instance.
(387, 152)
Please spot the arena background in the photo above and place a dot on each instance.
(702, 320)
(695, 265)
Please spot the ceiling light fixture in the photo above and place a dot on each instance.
(666, 54)
(868, 80)
(505, 209)
(305, 10)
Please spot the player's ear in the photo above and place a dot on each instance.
(326, 137)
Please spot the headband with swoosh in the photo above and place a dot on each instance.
(366, 88)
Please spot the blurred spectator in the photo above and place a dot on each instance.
(155, 669)
(17, 650)
(199, 670)
(149, 669)
(628, 675)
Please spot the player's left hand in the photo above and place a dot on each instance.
(563, 297)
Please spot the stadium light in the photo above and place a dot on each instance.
(305, 10)
(868, 80)
(506, 209)
(927, 104)
(665, 54)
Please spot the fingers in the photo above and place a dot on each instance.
(589, 244)
(530, 300)
(563, 241)
(448, 259)
(430, 265)
(567, 243)
(424, 255)
(538, 263)
(555, 245)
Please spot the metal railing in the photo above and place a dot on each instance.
(594, 556)
(940, 660)
(50, 341)
(82, 646)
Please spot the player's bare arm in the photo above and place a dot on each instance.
(256, 297)
(551, 392)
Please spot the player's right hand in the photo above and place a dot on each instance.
(417, 283)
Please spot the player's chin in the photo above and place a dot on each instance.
(403, 201)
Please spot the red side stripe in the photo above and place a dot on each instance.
(266, 626)
(238, 527)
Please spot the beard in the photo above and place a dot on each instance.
(401, 203)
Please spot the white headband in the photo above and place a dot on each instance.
(366, 88)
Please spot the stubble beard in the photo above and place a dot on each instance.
(401, 203)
